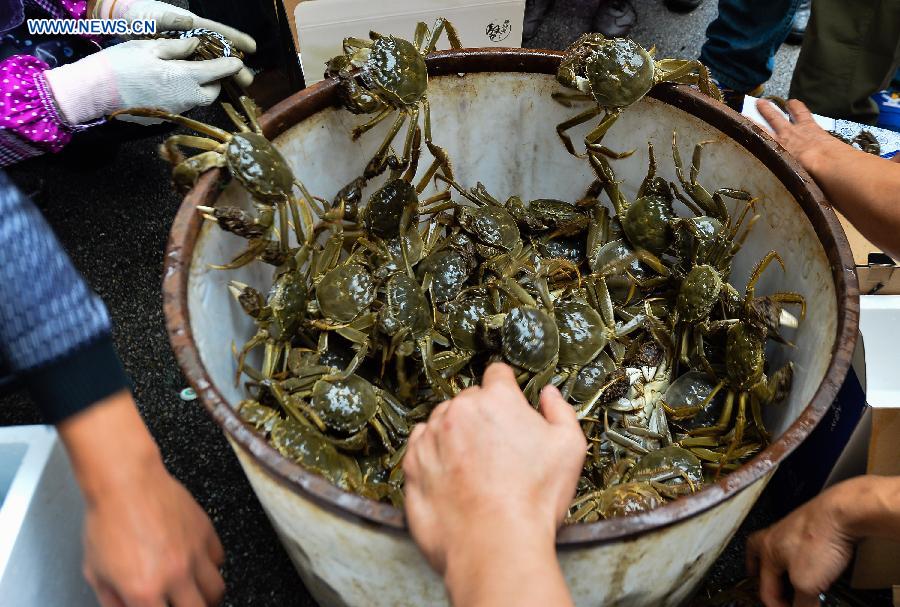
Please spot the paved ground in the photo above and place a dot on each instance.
(111, 205)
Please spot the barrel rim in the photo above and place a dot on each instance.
(186, 230)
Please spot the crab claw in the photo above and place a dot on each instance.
(250, 300)
(788, 320)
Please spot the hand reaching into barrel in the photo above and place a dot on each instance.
(146, 541)
(488, 482)
(814, 544)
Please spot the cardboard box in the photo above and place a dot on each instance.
(876, 271)
(319, 26)
(878, 561)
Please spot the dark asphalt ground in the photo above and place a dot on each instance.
(111, 205)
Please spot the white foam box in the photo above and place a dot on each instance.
(41, 516)
(878, 561)
(320, 26)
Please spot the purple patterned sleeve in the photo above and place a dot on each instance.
(61, 9)
(30, 123)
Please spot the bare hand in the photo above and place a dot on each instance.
(146, 542)
(152, 545)
(810, 545)
(487, 470)
(802, 137)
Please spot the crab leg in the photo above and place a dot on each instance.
(192, 141)
(357, 131)
(566, 99)
(186, 172)
(406, 159)
(419, 36)
(441, 158)
(441, 25)
(200, 127)
(236, 118)
(377, 163)
(253, 112)
(597, 134)
(761, 267)
(572, 122)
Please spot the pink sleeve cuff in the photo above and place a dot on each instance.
(76, 8)
(27, 109)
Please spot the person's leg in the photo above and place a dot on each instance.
(741, 42)
(850, 51)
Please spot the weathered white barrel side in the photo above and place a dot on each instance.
(498, 128)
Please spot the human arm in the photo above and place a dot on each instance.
(488, 482)
(863, 187)
(41, 109)
(146, 541)
(814, 544)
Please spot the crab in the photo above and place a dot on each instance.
(626, 499)
(252, 160)
(615, 73)
(392, 77)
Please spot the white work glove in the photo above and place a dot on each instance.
(171, 18)
(138, 73)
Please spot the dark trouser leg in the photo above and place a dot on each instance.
(850, 51)
(741, 42)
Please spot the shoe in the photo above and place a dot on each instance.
(798, 25)
(888, 109)
(682, 6)
(614, 18)
(535, 11)
(735, 99)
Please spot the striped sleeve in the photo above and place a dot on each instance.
(54, 330)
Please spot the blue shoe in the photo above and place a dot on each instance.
(888, 109)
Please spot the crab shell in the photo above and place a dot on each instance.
(259, 167)
(449, 272)
(396, 71)
(463, 321)
(581, 336)
(287, 301)
(383, 213)
(616, 72)
(345, 405)
(744, 356)
(646, 224)
(345, 291)
(491, 226)
(698, 293)
(591, 378)
(628, 499)
(307, 447)
(530, 338)
(407, 306)
(668, 459)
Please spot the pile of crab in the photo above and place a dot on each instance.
(382, 308)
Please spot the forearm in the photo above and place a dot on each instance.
(109, 445)
(863, 187)
(869, 506)
(516, 568)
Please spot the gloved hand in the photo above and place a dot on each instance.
(173, 18)
(139, 73)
